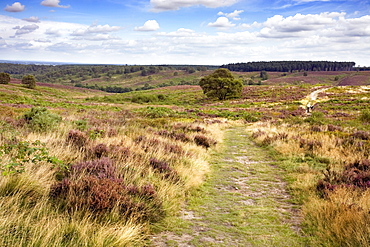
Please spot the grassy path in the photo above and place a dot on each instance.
(242, 203)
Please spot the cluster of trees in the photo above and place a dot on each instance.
(28, 80)
(79, 73)
(290, 66)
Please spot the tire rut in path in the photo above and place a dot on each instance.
(242, 203)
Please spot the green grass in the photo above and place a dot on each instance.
(236, 205)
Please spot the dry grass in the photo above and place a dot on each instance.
(30, 216)
(339, 217)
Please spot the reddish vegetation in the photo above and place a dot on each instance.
(356, 80)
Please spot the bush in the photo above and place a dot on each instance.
(316, 118)
(40, 119)
(158, 112)
(100, 150)
(365, 116)
(204, 141)
(4, 78)
(77, 138)
(96, 186)
(29, 81)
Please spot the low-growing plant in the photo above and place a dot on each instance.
(157, 112)
(316, 118)
(77, 138)
(40, 119)
(22, 153)
(97, 187)
(204, 141)
(365, 116)
(100, 150)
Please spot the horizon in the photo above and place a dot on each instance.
(189, 32)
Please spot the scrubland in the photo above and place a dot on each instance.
(87, 168)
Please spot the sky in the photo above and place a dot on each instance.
(202, 32)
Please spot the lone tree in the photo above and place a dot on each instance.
(29, 81)
(4, 78)
(221, 84)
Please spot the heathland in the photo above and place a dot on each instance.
(83, 165)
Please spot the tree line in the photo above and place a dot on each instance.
(78, 73)
(290, 66)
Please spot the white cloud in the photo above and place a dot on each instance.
(25, 29)
(181, 32)
(221, 22)
(95, 29)
(330, 36)
(293, 26)
(234, 15)
(53, 3)
(165, 5)
(53, 32)
(32, 19)
(150, 25)
(15, 7)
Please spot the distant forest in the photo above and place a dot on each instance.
(53, 73)
(290, 66)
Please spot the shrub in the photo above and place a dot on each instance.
(158, 112)
(4, 78)
(29, 81)
(365, 116)
(363, 135)
(23, 153)
(204, 141)
(77, 138)
(356, 174)
(317, 118)
(100, 150)
(40, 119)
(334, 128)
(96, 186)
(163, 168)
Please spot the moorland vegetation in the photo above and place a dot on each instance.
(93, 168)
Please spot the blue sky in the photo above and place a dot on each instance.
(184, 31)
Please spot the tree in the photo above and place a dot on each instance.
(264, 75)
(4, 78)
(221, 84)
(29, 81)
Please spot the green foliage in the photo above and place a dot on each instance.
(29, 81)
(221, 84)
(146, 98)
(316, 118)
(264, 75)
(365, 116)
(24, 152)
(39, 119)
(157, 112)
(4, 78)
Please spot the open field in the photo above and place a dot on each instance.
(138, 157)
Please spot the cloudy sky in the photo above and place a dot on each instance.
(210, 32)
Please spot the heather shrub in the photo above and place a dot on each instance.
(97, 187)
(100, 150)
(204, 141)
(333, 128)
(363, 135)
(356, 175)
(40, 119)
(77, 138)
(163, 168)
